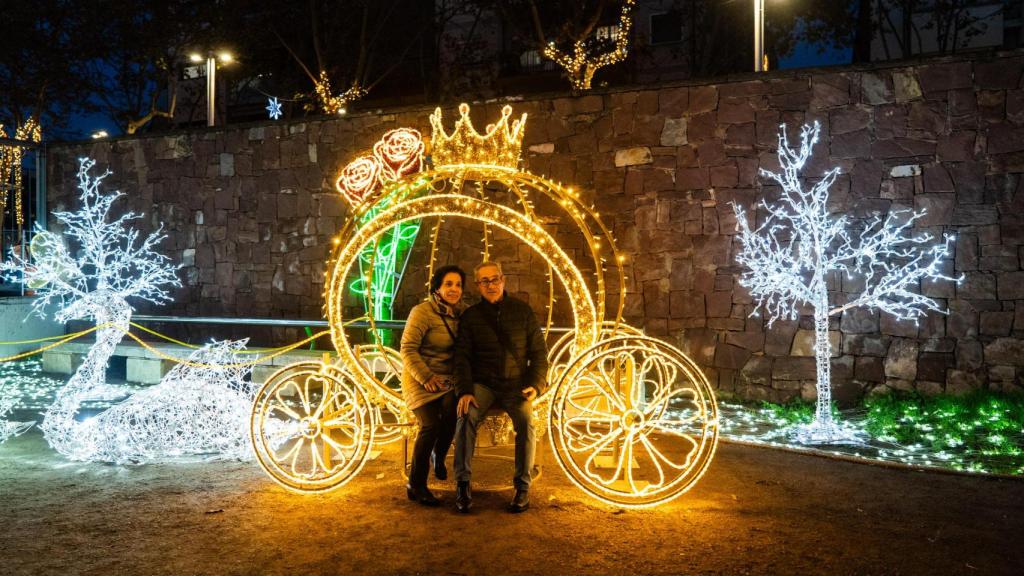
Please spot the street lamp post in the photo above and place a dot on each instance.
(211, 79)
(759, 63)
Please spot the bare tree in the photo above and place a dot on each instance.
(579, 36)
(346, 47)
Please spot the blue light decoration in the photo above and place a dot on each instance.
(273, 108)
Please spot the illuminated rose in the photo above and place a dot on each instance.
(400, 152)
(359, 179)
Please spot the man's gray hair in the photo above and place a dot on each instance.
(485, 264)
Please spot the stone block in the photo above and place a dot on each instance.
(794, 368)
(803, 343)
(998, 74)
(977, 286)
(901, 361)
(61, 361)
(779, 338)
(869, 369)
(1004, 138)
(859, 320)
(757, 370)
(932, 366)
(1005, 351)
(892, 326)
(674, 132)
(855, 144)
(936, 179)
(902, 148)
(945, 76)
(633, 156)
(957, 146)
(146, 370)
(1010, 285)
(735, 111)
(906, 86)
(866, 344)
(731, 357)
(227, 164)
(875, 89)
(969, 355)
(752, 340)
(719, 304)
(929, 387)
(973, 215)
(960, 382)
(703, 99)
(996, 323)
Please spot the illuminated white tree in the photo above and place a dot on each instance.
(791, 254)
(200, 407)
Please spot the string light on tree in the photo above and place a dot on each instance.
(332, 104)
(582, 63)
(799, 245)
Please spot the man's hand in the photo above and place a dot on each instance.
(530, 392)
(464, 403)
(435, 384)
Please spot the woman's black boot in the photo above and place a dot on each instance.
(421, 495)
(440, 470)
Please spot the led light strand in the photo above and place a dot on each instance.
(581, 64)
(790, 256)
(606, 373)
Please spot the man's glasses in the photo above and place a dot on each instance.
(493, 281)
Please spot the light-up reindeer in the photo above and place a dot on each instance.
(109, 266)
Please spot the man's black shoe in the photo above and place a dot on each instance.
(463, 497)
(422, 495)
(520, 502)
(440, 470)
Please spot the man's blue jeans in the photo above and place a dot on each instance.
(520, 410)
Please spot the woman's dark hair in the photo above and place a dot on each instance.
(438, 278)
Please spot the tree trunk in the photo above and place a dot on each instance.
(822, 354)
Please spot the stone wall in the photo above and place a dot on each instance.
(250, 211)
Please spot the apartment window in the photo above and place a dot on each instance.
(607, 32)
(666, 28)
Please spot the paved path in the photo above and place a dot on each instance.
(756, 511)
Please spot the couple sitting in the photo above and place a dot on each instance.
(457, 365)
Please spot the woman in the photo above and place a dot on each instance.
(427, 343)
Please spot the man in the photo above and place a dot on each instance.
(500, 360)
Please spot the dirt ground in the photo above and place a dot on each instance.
(756, 511)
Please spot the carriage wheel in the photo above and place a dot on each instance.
(633, 421)
(311, 427)
(384, 364)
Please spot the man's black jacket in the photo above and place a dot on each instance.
(481, 357)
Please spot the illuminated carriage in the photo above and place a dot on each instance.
(631, 419)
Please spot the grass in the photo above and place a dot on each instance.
(982, 431)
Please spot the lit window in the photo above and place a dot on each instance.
(607, 32)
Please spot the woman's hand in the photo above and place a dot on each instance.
(435, 384)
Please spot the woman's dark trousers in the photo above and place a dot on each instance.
(437, 428)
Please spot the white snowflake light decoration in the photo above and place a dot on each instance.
(791, 254)
(273, 108)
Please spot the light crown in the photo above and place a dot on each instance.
(499, 145)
